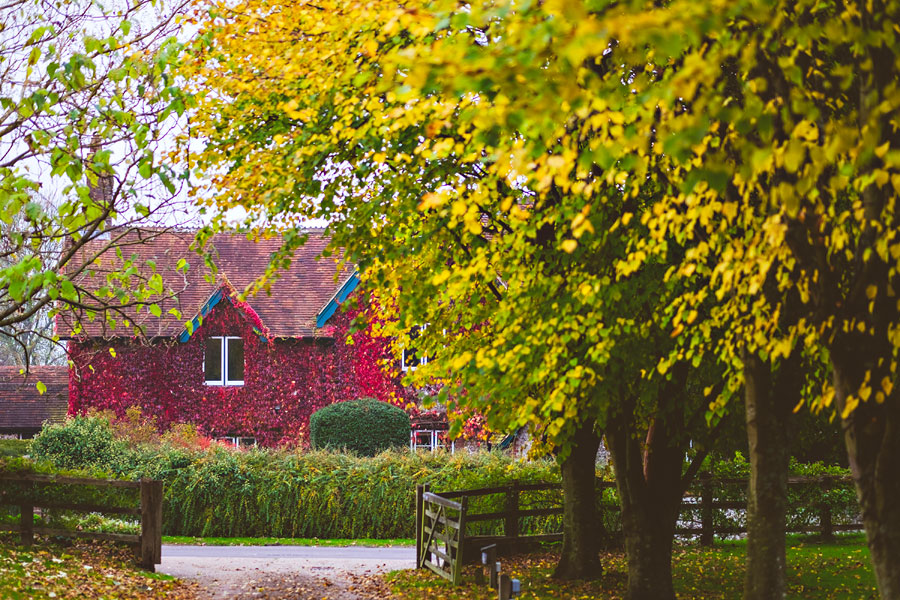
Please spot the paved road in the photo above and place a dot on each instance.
(318, 553)
(280, 571)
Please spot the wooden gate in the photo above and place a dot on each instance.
(441, 530)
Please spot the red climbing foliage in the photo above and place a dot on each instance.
(285, 380)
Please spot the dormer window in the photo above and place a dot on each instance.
(224, 361)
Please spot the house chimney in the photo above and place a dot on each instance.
(102, 192)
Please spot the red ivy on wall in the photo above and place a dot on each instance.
(285, 380)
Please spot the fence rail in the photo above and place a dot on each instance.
(148, 545)
(703, 499)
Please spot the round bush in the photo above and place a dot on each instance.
(365, 426)
(77, 442)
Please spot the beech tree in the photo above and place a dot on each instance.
(86, 99)
(493, 231)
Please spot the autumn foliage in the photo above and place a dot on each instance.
(285, 380)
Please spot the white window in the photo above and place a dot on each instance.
(409, 358)
(430, 439)
(238, 441)
(223, 362)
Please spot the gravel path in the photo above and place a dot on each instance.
(286, 572)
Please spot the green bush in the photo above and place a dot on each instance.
(364, 426)
(79, 442)
(14, 447)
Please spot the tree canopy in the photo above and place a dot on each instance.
(87, 99)
(521, 176)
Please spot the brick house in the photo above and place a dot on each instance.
(24, 409)
(251, 372)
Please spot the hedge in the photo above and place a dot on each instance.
(365, 426)
(14, 447)
(223, 492)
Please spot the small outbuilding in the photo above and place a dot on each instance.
(23, 408)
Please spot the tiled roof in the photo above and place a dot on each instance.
(22, 407)
(289, 309)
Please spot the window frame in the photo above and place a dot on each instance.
(422, 360)
(223, 345)
(436, 440)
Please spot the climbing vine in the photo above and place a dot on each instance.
(285, 380)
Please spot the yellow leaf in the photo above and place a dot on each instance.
(865, 392)
(850, 406)
(370, 48)
(881, 150)
(569, 246)
(556, 162)
(432, 200)
(462, 360)
(440, 277)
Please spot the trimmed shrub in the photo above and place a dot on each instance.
(78, 442)
(365, 426)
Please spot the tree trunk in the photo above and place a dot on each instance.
(872, 436)
(650, 485)
(648, 548)
(864, 356)
(581, 522)
(768, 400)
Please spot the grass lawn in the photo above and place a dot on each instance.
(272, 541)
(82, 570)
(815, 570)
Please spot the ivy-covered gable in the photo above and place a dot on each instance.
(285, 380)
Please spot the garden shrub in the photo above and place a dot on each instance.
(78, 442)
(14, 447)
(365, 426)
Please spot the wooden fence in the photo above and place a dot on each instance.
(706, 501)
(148, 545)
(702, 499)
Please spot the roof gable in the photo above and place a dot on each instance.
(292, 306)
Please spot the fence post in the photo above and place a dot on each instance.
(511, 522)
(151, 523)
(26, 524)
(827, 529)
(26, 516)
(460, 543)
(420, 515)
(706, 511)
